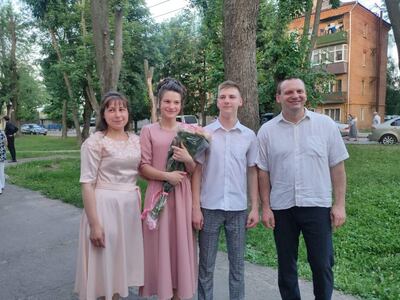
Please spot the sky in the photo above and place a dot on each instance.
(162, 10)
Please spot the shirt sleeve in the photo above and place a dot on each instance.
(337, 148)
(146, 147)
(90, 159)
(253, 151)
(262, 157)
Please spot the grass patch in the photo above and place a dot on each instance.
(367, 248)
(57, 179)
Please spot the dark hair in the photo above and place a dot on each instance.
(229, 84)
(172, 85)
(7, 118)
(108, 98)
(278, 87)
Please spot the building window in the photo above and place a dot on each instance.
(339, 85)
(362, 87)
(362, 113)
(329, 55)
(365, 30)
(364, 58)
(334, 113)
(335, 86)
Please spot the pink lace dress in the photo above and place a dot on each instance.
(113, 167)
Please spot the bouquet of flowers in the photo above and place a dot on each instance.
(196, 141)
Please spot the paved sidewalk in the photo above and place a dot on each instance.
(38, 242)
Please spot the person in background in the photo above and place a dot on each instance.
(10, 130)
(110, 251)
(353, 131)
(376, 120)
(301, 158)
(3, 142)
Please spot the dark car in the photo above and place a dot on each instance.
(33, 129)
(265, 117)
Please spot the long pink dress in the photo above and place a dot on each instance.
(170, 259)
(113, 167)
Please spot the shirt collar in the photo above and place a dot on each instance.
(217, 125)
(307, 115)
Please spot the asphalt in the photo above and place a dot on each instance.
(38, 242)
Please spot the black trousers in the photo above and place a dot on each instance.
(315, 225)
(11, 147)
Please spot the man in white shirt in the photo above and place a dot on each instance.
(376, 120)
(301, 155)
(219, 187)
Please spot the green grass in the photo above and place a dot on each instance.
(367, 248)
(57, 178)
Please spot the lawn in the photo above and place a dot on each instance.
(42, 146)
(367, 248)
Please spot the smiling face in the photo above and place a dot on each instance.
(292, 96)
(170, 105)
(116, 115)
(229, 101)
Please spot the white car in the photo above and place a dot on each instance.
(387, 133)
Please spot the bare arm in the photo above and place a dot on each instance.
(253, 217)
(338, 211)
(96, 229)
(197, 216)
(264, 186)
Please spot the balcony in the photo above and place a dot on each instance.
(334, 98)
(339, 37)
(334, 68)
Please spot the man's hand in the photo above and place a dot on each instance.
(268, 218)
(338, 215)
(197, 219)
(253, 218)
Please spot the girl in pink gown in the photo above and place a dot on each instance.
(110, 253)
(170, 261)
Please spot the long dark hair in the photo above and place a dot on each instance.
(172, 85)
(105, 103)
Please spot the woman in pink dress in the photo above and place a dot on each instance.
(110, 253)
(170, 261)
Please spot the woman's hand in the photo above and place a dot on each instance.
(97, 236)
(181, 154)
(175, 177)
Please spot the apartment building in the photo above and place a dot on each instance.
(352, 44)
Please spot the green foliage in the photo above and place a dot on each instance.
(392, 90)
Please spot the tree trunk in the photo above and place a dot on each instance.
(314, 34)
(68, 86)
(149, 83)
(306, 28)
(64, 131)
(240, 24)
(89, 90)
(87, 114)
(13, 69)
(108, 66)
(393, 8)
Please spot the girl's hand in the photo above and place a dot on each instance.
(181, 154)
(175, 177)
(97, 236)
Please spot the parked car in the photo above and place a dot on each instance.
(343, 128)
(387, 133)
(33, 129)
(265, 117)
(390, 117)
(188, 119)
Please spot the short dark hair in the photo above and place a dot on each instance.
(278, 87)
(7, 118)
(105, 103)
(172, 85)
(229, 84)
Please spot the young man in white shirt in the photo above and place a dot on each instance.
(220, 184)
(301, 156)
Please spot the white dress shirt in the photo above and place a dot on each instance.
(298, 158)
(224, 179)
